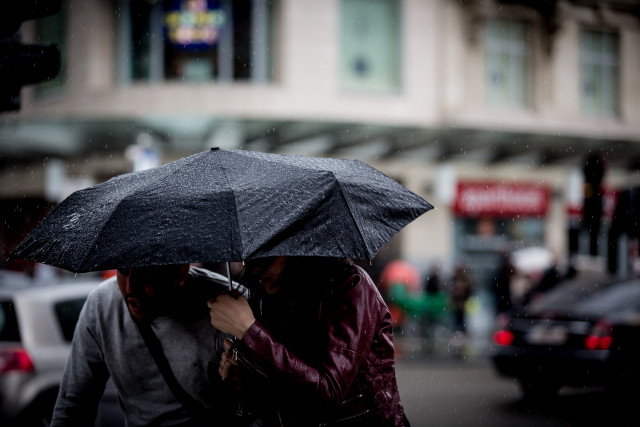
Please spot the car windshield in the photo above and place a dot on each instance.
(591, 296)
(619, 298)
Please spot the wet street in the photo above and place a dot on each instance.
(450, 392)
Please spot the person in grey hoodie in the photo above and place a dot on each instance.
(108, 343)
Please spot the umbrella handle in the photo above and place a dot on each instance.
(229, 276)
(235, 339)
(233, 290)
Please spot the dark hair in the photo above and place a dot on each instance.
(161, 273)
(317, 270)
(316, 273)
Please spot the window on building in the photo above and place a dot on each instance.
(599, 73)
(369, 44)
(51, 29)
(141, 36)
(507, 54)
(196, 40)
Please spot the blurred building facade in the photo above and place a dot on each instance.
(487, 108)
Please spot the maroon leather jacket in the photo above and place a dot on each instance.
(327, 355)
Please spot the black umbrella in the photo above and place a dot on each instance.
(225, 205)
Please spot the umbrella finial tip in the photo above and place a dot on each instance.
(215, 148)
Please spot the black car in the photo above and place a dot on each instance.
(584, 332)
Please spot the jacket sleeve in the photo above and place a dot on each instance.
(84, 378)
(350, 328)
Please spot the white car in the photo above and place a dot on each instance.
(36, 328)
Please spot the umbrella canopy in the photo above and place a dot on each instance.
(225, 205)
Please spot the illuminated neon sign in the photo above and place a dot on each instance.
(193, 24)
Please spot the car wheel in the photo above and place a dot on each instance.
(536, 389)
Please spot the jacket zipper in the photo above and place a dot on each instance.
(348, 417)
(239, 357)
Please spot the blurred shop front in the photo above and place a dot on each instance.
(492, 219)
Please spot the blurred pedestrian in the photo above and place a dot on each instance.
(502, 284)
(461, 289)
(436, 307)
(432, 281)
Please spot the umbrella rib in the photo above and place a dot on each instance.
(129, 191)
(346, 200)
(235, 216)
(104, 223)
(337, 180)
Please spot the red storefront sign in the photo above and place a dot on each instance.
(501, 199)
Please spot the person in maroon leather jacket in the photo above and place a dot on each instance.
(314, 344)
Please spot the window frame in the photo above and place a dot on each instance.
(261, 29)
(517, 92)
(600, 106)
(395, 78)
